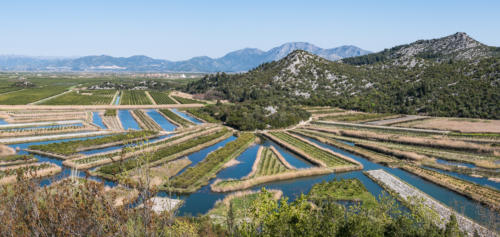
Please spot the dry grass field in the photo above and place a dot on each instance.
(456, 124)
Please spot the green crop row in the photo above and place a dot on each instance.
(133, 97)
(161, 98)
(329, 159)
(269, 164)
(148, 122)
(30, 95)
(176, 118)
(110, 112)
(119, 167)
(202, 115)
(83, 97)
(202, 172)
(71, 147)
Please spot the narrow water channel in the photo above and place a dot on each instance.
(97, 120)
(160, 120)
(186, 116)
(128, 122)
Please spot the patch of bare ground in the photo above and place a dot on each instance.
(457, 124)
(6, 150)
(121, 195)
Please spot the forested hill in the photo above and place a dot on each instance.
(450, 76)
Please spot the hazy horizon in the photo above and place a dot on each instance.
(180, 31)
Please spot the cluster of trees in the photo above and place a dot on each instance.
(455, 88)
(67, 209)
(256, 115)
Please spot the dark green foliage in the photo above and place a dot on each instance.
(453, 88)
(251, 116)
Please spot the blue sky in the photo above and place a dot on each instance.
(178, 30)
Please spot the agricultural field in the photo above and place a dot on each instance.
(176, 118)
(30, 95)
(341, 190)
(269, 164)
(239, 203)
(183, 100)
(161, 98)
(461, 125)
(200, 174)
(327, 158)
(157, 175)
(358, 117)
(83, 97)
(72, 147)
(197, 112)
(9, 175)
(134, 97)
(165, 154)
(16, 160)
(145, 121)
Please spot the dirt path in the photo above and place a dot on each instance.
(49, 98)
(391, 121)
(150, 97)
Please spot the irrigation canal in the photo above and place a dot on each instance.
(204, 199)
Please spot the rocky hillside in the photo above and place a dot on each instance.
(461, 77)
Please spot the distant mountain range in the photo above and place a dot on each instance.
(449, 76)
(236, 61)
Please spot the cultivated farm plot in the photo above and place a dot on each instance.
(83, 97)
(30, 95)
(134, 97)
(145, 121)
(329, 159)
(161, 98)
(269, 164)
(456, 124)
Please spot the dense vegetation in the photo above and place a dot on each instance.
(29, 209)
(342, 190)
(202, 114)
(71, 147)
(454, 88)
(251, 116)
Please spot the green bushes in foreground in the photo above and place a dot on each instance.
(118, 167)
(195, 176)
(28, 210)
(71, 147)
